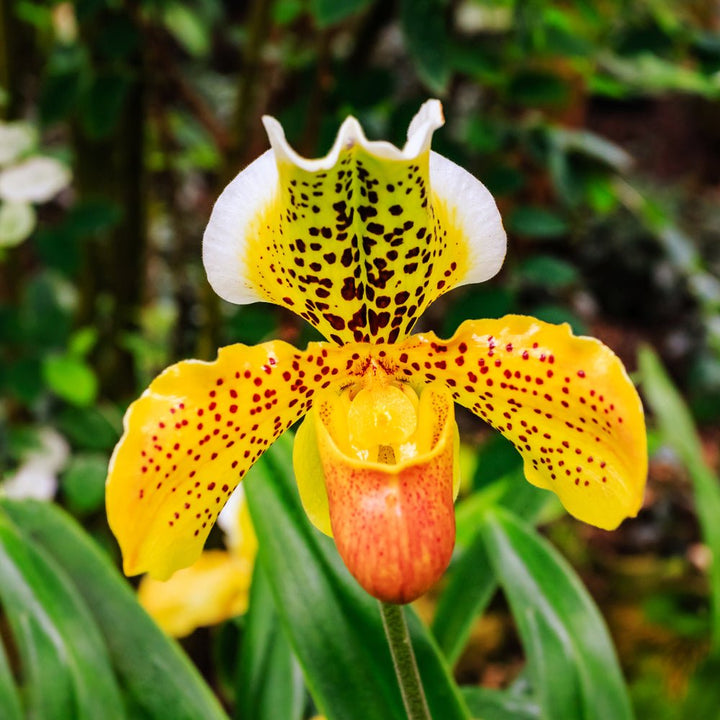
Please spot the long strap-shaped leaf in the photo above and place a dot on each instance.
(270, 683)
(157, 678)
(334, 626)
(572, 660)
(64, 664)
(679, 431)
(471, 581)
(9, 698)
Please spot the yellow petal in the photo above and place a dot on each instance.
(213, 589)
(193, 435)
(359, 242)
(309, 475)
(393, 522)
(565, 402)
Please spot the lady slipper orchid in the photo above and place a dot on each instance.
(216, 587)
(359, 243)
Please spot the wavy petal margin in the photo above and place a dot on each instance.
(194, 434)
(359, 242)
(565, 402)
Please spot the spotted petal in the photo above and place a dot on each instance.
(193, 435)
(565, 402)
(359, 242)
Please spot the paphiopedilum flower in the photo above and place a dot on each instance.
(359, 243)
(215, 587)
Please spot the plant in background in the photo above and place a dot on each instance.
(359, 243)
(27, 178)
(37, 474)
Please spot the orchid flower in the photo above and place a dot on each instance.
(359, 243)
(215, 587)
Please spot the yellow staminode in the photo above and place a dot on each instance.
(359, 243)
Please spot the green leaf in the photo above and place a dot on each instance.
(425, 30)
(154, 673)
(472, 579)
(679, 431)
(83, 483)
(537, 222)
(703, 694)
(559, 314)
(70, 378)
(67, 668)
(9, 697)
(91, 428)
(270, 683)
(102, 103)
(532, 87)
(471, 586)
(286, 11)
(572, 660)
(500, 704)
(82, 341)
(333, 625)
(647, 74)
(591, 145)
(329, 12)
(548, 271)
(188, 28)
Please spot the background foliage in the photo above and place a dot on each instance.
(596, 124)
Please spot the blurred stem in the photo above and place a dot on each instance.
(110, 169)
(258, 27)
(7, 58)
(11, 33)
(406, 669)
(316, 102)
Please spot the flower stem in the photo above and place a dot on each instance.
(406, 670)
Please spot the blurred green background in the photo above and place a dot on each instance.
(596, 125)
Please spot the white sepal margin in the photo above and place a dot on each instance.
(226, 235)
(236, 210)
(472, 209)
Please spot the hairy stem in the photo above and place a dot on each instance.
(406, 670)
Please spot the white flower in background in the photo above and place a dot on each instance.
(25, 178)
(16, 139)
(232, 522)
(35, 180)
(37, 475)
(17, 220)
